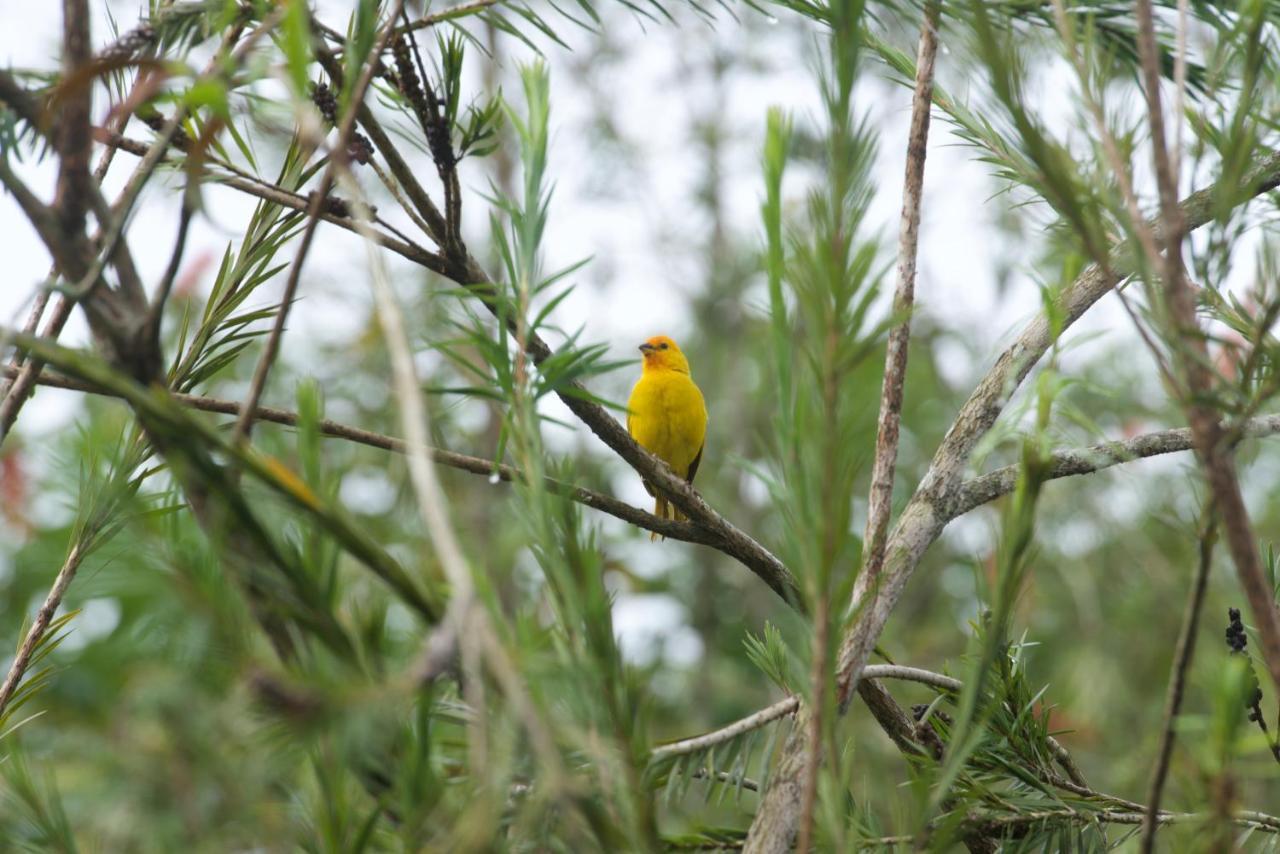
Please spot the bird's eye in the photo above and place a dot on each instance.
(662, 346)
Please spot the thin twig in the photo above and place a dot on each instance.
(156, 312)
(767, 715)
(1178, 678)
(686, 531)
(787, 706)
(337, 155)
(880, 500)
(1068, 463)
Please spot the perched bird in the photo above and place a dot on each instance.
(667, 416)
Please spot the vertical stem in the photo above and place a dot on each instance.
(814, 722)
(1178, 677)
(880, 500)
(1191, 353)
(895, 368)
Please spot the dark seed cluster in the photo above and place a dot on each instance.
(359, 148)
(425, 104)
(124, 48)
(1237, 640)
(156, 122)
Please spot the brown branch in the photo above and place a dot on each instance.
(41, 624)
(294, 201)
(685, 531)
(1178, 677)
(244, 424)
(1192, 355)
(74, 100)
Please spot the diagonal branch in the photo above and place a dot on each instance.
(244, 424)
(334, 214)
(41, 624)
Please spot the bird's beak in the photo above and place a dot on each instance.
(647, 348)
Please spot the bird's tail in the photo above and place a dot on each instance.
(660, 509)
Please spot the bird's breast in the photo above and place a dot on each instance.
(668, 417)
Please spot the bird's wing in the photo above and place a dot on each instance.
(693, 466)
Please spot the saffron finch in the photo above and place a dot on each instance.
(667, 415)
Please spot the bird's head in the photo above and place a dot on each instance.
(662, 354)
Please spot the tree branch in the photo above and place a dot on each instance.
(880, 500)
(685, 531)
(41, 624)
(1068, 463)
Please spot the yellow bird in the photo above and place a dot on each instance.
(667, 416)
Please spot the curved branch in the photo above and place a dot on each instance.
(1068, 463)
(788, 705)
(767, 715)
